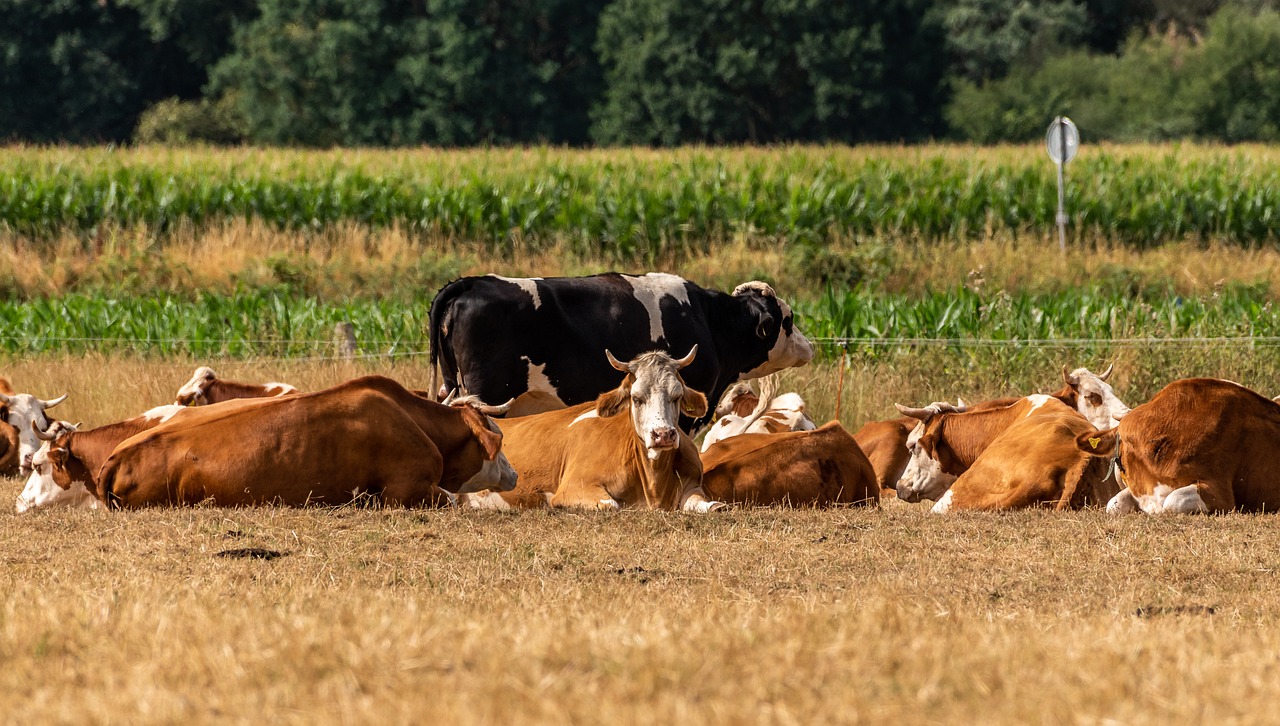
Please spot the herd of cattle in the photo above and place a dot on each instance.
(582, 427)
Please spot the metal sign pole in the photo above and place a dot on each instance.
(1062, 186)
(1062, 141)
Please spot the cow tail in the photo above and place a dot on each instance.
(435, 331)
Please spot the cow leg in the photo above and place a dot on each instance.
(588, 496)
(486, 499)
(414, 495)
(695, 500)
(1122, 503)
(1185, 500)
(944, 504)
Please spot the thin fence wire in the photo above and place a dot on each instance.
(834, 343)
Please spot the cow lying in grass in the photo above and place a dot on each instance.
(1200, 445)
(742, 411)
(206, 388)
(623, 450)
(1034, 462)
(366, 437)
(797, 468)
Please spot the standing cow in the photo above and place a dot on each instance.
(539, 340)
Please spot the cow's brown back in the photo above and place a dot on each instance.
(799, 468)
(1216, 435)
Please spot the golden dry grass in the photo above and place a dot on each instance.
(745, 616)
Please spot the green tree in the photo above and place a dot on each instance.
(987, 37)
(767, 70)
(79, 71)
(326, 72)
(1233, 83)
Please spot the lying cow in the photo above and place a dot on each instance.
(205, 388)
(742, 411)
(539, 339)
(1034, 462)
(925, 477)
(591, 456)
(368, 436)
(1200, 445)
(802, 468)
(65, 469)
(26, 414)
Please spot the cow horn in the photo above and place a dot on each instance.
(4, 398)
(924, 414)
(495, 410)
(616, 363)
(1107, 373)
(448, 400)
(42, 435)
(688, 358)
(1070, 379)
(961, 406)
(54, 402)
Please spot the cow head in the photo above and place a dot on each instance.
(656, 396)
(495, 471)
(773, 325)
(925, 476)
(739, 400)
(1094, 398)
(57, 477)
(193, 392)
(25, 413)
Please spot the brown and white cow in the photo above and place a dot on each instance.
(369, 436)
(26, 414)
(1090, 394)
(797, 468)
(1034, 462)
(592, 456)
(742, 411)
(1200, 445)
(64, 471)
(205, 388)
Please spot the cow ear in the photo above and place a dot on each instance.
(613, 402)
(693, 404)
(489, 440)
(1099, 443)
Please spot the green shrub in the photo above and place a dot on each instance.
(173, 121)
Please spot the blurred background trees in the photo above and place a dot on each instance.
(654, 72)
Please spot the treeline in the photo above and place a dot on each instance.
(650, 72)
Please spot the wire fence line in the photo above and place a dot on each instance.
(418, 348)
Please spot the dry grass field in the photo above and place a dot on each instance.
(779, 616)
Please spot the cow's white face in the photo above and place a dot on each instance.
(24, 411)
(192, 392)
(1096, 400)
(790, 348)
(923, 478)
(655, 408)
(42, 491)
(655, 395)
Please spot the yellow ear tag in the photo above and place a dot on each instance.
(1094, 442)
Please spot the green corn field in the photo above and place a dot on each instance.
(639, 205)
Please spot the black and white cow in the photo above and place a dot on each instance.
(542, 341)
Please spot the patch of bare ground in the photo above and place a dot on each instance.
(772, 615)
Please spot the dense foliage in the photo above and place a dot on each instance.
(663, 72)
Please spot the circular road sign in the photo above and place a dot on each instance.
(1060, 130)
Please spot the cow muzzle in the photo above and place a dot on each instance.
(664, 438)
